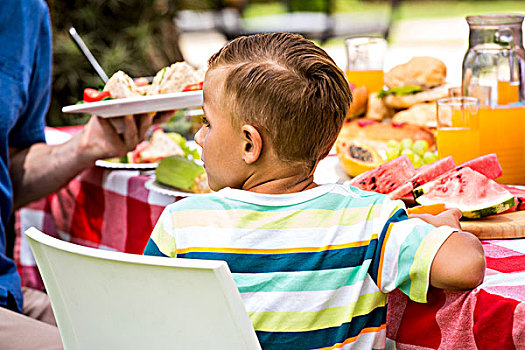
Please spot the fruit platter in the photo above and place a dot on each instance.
(488, 208)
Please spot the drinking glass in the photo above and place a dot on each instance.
(481, 92)
(365, 57)
(458, 128)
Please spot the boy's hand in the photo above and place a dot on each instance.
(449, 217)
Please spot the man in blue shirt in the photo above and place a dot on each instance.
(30, 169)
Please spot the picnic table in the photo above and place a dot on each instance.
(113, 209)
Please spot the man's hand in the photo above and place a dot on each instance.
(114, 137)
(41, 169)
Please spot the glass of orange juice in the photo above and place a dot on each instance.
(458, 128)
(502, 131)
(365, 57)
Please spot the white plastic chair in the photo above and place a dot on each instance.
(111, 300)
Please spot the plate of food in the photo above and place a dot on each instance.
(155, 186)
(179, 176)
(175, 87)
(148, 154)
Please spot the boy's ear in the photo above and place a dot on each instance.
(253, 143)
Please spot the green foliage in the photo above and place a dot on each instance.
(135, 36)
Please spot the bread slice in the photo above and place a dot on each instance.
(160, 147)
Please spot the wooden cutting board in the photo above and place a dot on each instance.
(510, 225)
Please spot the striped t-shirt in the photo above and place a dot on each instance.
(313, 268)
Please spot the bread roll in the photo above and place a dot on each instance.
(423, 71)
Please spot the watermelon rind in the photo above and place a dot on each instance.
(498, 206)
(418, 192)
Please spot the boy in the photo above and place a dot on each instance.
(313, 263)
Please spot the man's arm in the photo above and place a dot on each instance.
(41, 169)
(459, 263)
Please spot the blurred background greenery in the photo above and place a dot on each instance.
(140, 37)
(136, 36)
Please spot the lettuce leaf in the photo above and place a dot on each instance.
(181, 141)
(403, 90)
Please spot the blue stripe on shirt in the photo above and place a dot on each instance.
(261, 263)
(323, 337)
(153, 249)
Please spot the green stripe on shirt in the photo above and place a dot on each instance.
(307, 321)
(298, 281)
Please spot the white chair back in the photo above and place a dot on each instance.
(111, 300)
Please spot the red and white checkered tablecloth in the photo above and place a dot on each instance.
(106, 209)
(491, 316)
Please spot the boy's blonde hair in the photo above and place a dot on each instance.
(289, 89)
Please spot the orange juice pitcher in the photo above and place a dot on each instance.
(502, 131)
(496, 59)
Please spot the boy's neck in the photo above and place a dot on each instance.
(280, 185)
(272, 176)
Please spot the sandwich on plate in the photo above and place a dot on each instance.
(175, 78)
(412, 88)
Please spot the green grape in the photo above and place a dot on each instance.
(420, 147)
(429, 157)
(392, 153)
(409, 153)
(418, 161)
(406, 144)
(393, 149)
(393, 144)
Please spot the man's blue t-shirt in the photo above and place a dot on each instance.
(25, 83)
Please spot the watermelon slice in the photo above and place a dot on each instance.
(487, 165)
(423, 175)
(473, 193)
(386, 177)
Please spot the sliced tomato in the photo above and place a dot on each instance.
(193, 87)
(92, 95)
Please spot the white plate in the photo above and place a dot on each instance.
(139, 104)
(143, 166)
(125, 166)
(155, 186)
